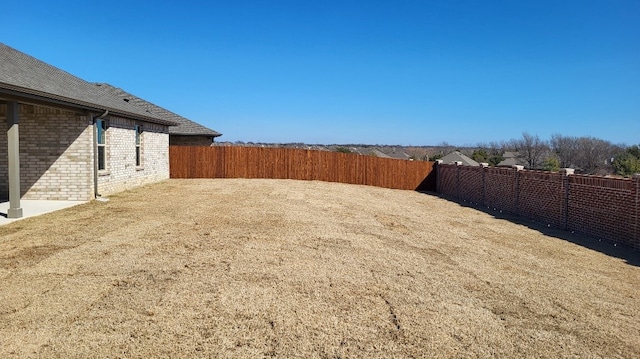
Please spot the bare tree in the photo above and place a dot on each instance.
(417, 153)
(593, 155)
(495, 152)
(566, 148)
(513, 144)
(531, 149)
(496, 148)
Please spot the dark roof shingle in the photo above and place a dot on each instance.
(457, 156)
(184, 127)
(25, 75)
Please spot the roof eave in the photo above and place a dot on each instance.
(42, 98)
(195, 134)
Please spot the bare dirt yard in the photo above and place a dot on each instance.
(278, 268)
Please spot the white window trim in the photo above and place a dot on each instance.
(102, 128)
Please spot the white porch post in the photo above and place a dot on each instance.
(15, 211)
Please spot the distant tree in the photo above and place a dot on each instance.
(593, 155)
(511, 145)
(437, 156)
(634, 150)
(491, 153)
(496, 152)
(445, 147)
(531, 148)
(343, 149)
(416, 153)
(495, 159)
(628, 162)
(552, 164)
(565, 148)
(480, 155)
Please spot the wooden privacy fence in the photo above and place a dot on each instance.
(299, 164)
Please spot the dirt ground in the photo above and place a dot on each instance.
(279, 268)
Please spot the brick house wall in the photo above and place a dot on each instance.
(57, 156)
(4, 161)
(54, 162)
(606, 208)
(121, 172)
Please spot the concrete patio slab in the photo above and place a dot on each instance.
(31, 208)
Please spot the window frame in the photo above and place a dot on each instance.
(138, 144)
(101, 141)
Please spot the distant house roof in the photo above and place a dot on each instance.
(457, 156)
(511, 159)
(508, 162)
(376, 152)
(26, 78)
(397, 153)
(184, 127)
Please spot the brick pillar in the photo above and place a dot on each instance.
(636, 198)
(566, 172)
(458, 164)
(484, 166)
(516, 196)
(438, 176)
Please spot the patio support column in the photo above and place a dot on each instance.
(15, 211)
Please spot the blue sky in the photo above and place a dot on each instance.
(377, 72)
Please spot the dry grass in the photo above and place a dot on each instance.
(268, 268)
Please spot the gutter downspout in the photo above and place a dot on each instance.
(96, 194)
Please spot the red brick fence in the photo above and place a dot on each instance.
(601, 207)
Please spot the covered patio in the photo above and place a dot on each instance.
(34, 208)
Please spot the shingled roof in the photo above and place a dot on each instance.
(457, 156)
(184, 127)
(25, 77)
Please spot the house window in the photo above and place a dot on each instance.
(138, 129)
(102, 141)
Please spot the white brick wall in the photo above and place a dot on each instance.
(56, 155)
(54, 163)
(121, 172)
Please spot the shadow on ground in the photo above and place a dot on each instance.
(627, 253)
